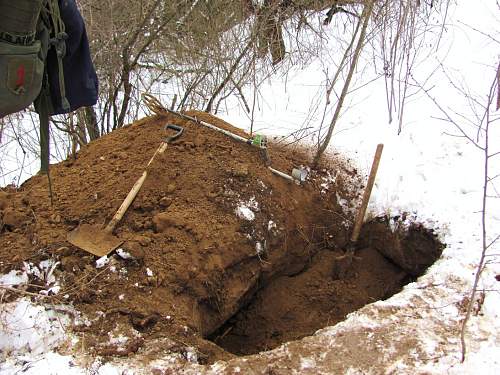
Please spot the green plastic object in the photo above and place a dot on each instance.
(259, 140)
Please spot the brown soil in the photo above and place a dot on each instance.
(199, 271)
(293, 307)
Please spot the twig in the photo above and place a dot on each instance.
(20, 291)
(493, 242)
(229, 76)
(442, 26)
(481, 264)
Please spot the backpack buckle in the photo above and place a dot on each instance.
(59, 44)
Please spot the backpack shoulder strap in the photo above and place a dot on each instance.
(51, 31)
(58, 41)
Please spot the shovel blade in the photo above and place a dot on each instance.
(93, 239)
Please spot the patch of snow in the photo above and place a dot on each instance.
(327, 181)
(48, 363)
(191, 355)
(307, 363)
(271, 225)
(14, 278)
(112, 369)
(102, 261)
(118, 339)
(124, 254)
(43, 272)
(244, 212)
(259, 249)
(253, 204)
(30, 328)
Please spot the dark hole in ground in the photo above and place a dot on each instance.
(289, 308)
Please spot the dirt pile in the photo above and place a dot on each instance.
(215, 245)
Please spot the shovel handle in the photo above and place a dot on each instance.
(138, 184)
(132, 193)
(366, 194)
(178, 129)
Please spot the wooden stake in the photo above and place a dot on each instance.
(366, 194)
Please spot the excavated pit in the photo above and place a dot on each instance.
(291, 307)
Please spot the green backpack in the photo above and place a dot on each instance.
(27, 30)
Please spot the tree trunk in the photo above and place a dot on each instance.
(91, 123)
(365, 18)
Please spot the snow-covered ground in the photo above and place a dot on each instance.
(424, 171)
(428, 171)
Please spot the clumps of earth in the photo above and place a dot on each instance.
(220, 257)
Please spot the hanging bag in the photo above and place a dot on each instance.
(21, 60)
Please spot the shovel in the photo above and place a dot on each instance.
(101, 241)
(343, 262)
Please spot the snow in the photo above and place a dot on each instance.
(244, 212)
(117, 338)
(124, 254)
(43, 272)
(307, 363)
(425, 172)
(271, 225)
(57, 364)
(435, 178)
(13, 278)
(259, 249)
(30, 329)
(102, 261)
(191, 355)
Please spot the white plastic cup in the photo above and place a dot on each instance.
(299, 175)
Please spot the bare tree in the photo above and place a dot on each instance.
(364, 20)
(202, 52)
(476, 127)
(395, 34)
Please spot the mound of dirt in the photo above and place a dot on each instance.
(215, 245)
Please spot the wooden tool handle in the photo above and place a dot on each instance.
(133, 192)
(366, 194)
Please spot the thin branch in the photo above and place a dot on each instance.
(491, 38)
(481, 264)
(228, 77)
(493, 155)
(449, 118)
(498, 86)
(493, 242)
